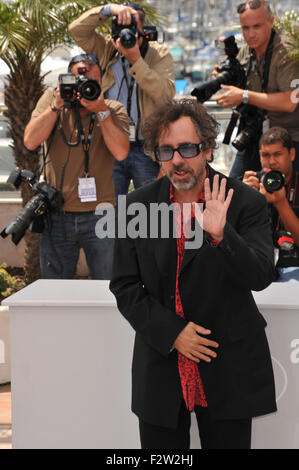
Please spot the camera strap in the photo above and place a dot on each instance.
(290, 191)
(86, 142)
(77, 126)
(130, 86)
(231, 125)
(46, 153)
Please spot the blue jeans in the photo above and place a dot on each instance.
(60, 247)
(288, 274)
(138, 167)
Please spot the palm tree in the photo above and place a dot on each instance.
(288, 26)
(29, 30)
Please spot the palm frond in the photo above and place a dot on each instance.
(288, 27)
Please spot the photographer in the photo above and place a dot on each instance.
(83, 135)
(139, 76)
(277, 153)
(269, 76)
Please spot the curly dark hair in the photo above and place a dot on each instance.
(159, 121)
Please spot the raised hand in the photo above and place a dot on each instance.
(214, 215)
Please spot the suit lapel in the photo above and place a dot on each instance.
(165, 248)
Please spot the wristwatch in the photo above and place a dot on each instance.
(56, 110)
(245, 97)
(102, 115)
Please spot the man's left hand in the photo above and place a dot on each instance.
(276, 198)
(214, 215)
(94, 106)
(233, 96)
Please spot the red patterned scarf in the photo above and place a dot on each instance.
(192, 387)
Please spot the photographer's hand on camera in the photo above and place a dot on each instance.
(251, 179)
(132, 54)
(278, 198)
(38, 131)
(123, 12)
(232, 97)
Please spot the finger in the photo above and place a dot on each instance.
(229, 198)
(207, 342)
(207, 187)
(205, 351)
(215, 190)
(198, 357)
(221, 195)
(201, 356)
(200, 329)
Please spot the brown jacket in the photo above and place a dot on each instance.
(154, 73)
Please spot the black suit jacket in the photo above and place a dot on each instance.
(215, 286)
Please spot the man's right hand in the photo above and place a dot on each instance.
(123, 12)
(251, 179)
(58, 101)
(191, 344)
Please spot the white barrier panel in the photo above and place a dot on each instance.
(71, 356)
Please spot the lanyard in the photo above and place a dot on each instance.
(86, 142)
(130, 87)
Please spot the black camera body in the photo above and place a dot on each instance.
(230, 71)
(129, 34)
(46, 198)
(126, 33)
(251, 125)
(70, 85)
(273, 180)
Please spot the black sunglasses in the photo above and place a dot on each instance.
(253, 5)
(166, 152)
(82, 58)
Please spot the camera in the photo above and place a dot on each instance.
(70, 85)
(273, 180)
(251, 125)
(230, 71)
(128, 33)
(288, 251)
(46, 198)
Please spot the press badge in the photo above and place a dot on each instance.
(266, 125)
(87, 189)
(132, 132)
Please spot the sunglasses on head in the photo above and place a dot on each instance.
(166, 152)
(252, 5)
(82, 58)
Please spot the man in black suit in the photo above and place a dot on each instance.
(200, 340)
